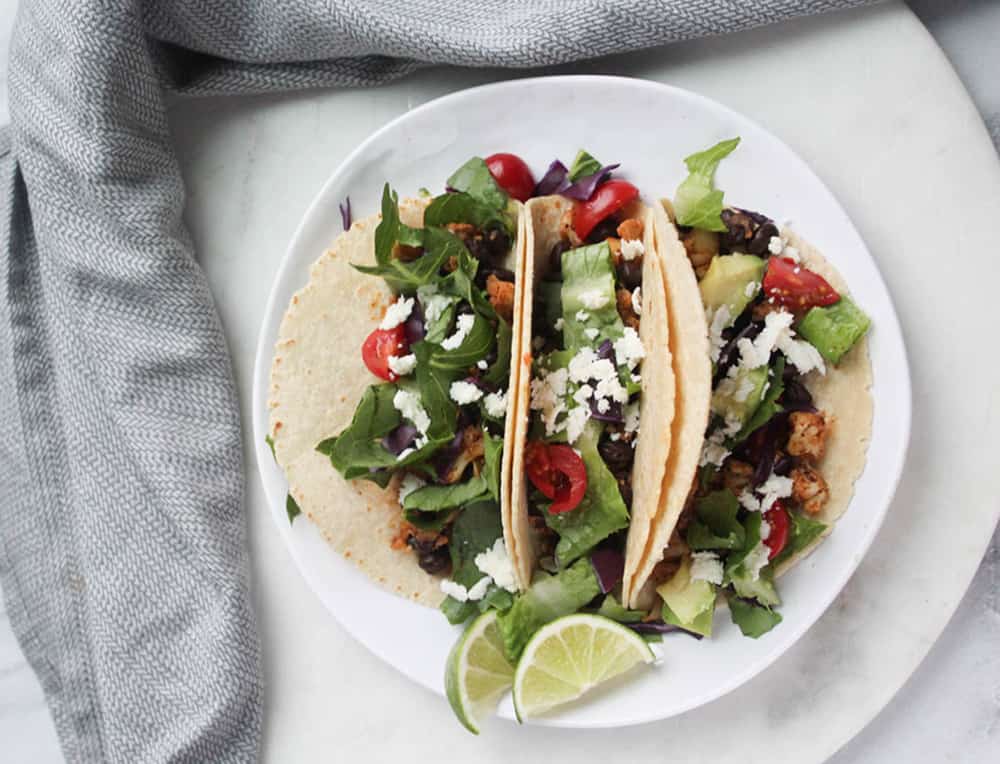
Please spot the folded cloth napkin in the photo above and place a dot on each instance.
(122, 547)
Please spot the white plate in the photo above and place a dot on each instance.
(648, 128)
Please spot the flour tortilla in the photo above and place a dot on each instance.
(844, 394)
(693, 392)
(317, 379)
(543, 218)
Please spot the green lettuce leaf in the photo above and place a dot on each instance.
(270, 444)
(493, 458)
(803, 532)
(697, 203)
(475, 530)
(475, 179)
(435, 498)
(434, 383)
(462, 208)
(600, 513)
(769, 405)
(477, 345)
(498, 374)
(583, 165)
(613, 609)
(589, 270)
(714, 525)
(358, 448)
(754, 620)
(292, 508)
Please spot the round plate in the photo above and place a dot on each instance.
(648, 128)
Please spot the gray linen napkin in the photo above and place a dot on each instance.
(122, 556)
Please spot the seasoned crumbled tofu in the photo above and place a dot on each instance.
(615, 245)
(625, 308)
(809, 489)
(406, 253)
(736, 475)
(462, 230)
(807, 436)
(501, 294)
(630, 229)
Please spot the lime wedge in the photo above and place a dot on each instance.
(571, 655)
(478, 672)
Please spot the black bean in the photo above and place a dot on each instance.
(603, 230)
(431, 559)
(630, 273)
(555, 256)
(617, 454)
(746, 231)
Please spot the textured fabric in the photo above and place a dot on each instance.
(122, 554)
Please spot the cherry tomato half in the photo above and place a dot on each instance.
(512, 175)
(381, 344)
(559, 473)
(606, 200)
(777, 518)
(796, 286)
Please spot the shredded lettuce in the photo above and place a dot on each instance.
(697, 203)
(584, 164)
(475, 179)
(588, 273)
(714, 525)
(754, 620)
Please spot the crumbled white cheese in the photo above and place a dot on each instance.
(434, 304)
(756, 353)
(576, 420)
(706, 566)
(547, 391)
(582, 315)
(583, 394)
(462, 328)
(496, 563)
(603, 405)
(478, 590)
(611, 387)
(482, 365)
(801, 354)
(775, 244)
(629, 349)
(631, 415)
(714, 451)
(637, 300)
(594, 299)
(717, 321)
(755, 561)
(591, 333)
(496, 404)
(463, 392)
(408, 404)
(397, 313)
(404, 453)
(765, 530)
(615, 436)
(774, 488)
(792, 253)
(408, 485)
(751, 289)
(632, 248)
(637, 378)
(559, 324)
(401, 365)
(454, 590)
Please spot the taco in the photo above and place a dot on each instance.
(790, 409)
(406, 477)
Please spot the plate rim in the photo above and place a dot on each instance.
(892, 330)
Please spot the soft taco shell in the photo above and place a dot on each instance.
(317, 379)
(652, 524)
(543, 217)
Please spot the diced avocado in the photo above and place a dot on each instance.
(728, 282)
(548, 598)
(686, 603)
(738, 397)
(833, 330)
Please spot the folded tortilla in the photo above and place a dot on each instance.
(317, 379)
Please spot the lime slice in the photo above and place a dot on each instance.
(478, 672)
(570, 656)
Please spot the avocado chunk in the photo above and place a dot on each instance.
(833, 330)
(548, 598)
(728, 282)
(737, 397)
(761, 590)
(686, 603)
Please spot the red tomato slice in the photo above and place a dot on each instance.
(558, 472)
(796, 286)
(606, 200)
(512, 175)
(381, 344)
(777, 518)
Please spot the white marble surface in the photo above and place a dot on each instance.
(249, 183)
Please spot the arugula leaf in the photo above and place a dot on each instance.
(461, 283)
(769, 405)
(401, 276)
(438, 327)
(434, 498)
(477, 345)
(583, 165)
(715, 525)
(359, 448)
(697, 203)
(475, 179)
(498, 374)
(589, 271)
(754, 620)
(492, 453)
(600, 513)
(434, 383)
(804, 531)
(475, 530)
(462, 208)
(428, 521)
(292, 508)
(270, 444)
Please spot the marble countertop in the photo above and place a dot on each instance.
(950, 708)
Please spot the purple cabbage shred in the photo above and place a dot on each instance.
(345, 212)
(400, 439)
(584, 188)
(553, 181)
(609, 567)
